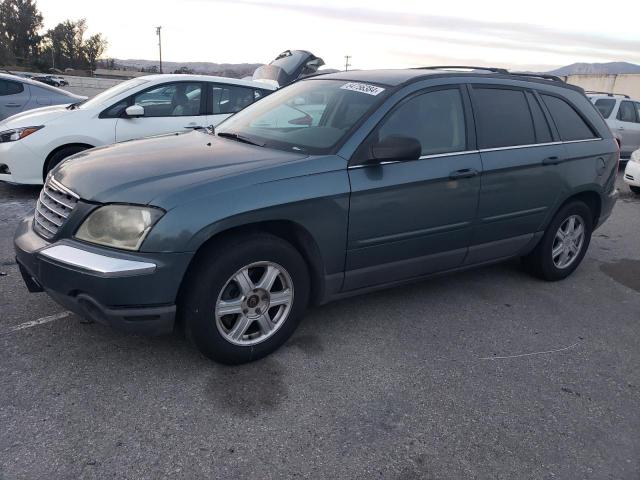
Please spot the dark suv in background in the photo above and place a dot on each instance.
(335, 185)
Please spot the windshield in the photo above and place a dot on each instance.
(112, 92)
(310, 116)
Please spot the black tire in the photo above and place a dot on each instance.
(540, 262)
(634, 189)
(60, 155)
(211, 271)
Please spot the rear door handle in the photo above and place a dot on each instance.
(194, 127)
(620, 128)
(11, 104)
(551, 160)
(464, 173)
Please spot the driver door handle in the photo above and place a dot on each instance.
(464, 173)
(551, 160)
(11, 104)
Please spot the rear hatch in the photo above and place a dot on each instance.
(288, 67)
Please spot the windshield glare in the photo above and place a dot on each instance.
(112, 92)
(310, 116)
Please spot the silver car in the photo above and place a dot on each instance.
(18, 94)
(622, 114)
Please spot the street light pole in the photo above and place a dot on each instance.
(346, 62)
(158, 32)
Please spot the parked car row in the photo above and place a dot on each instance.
(335, 185)
(137, 108)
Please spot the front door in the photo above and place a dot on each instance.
(168, 108)
(411, 218)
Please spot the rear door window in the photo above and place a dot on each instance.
(571, 126)
(503, 118)
(435, 118)
(225, 99)
(605, 106)
(10, 88)
(627, 112)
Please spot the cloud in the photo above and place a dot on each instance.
(506, 35)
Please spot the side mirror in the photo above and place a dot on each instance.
(396, 148)
(134, 111)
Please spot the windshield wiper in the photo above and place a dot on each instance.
(240, 138)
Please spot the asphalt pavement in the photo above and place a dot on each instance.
(487, 374)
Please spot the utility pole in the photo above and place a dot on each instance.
(346, 62)
(53, 57)
(158, 32)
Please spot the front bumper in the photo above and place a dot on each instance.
(19, 164)
(135, 292)
(632, 174)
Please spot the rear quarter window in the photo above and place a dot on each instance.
(570, 125)
(503, 117)
(605, 106)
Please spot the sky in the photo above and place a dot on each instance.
(537, 35)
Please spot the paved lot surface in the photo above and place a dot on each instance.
(405, 384)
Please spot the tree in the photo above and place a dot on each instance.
(93, 49)
(20, 22)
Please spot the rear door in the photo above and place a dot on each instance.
(628, 127)
(519, 182)
(168, 108)
(14, 96)
(411, 218)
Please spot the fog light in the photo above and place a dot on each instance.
(4, 169)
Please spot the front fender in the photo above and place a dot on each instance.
(319, 203)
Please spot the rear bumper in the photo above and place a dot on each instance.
(608, 202)
(135, 292)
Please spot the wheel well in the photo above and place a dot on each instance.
(45, 167)
(291, 232)
(592, 200)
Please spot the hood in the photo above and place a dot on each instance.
(35, 117)
(152, 169)
(288, 67)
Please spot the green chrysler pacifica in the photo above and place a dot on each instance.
(335, 185)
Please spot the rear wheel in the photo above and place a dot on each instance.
(244, 298)
(634, 189)
(60, 155)
(563, 244)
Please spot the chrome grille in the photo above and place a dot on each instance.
(55, 204)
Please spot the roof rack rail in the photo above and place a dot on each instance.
(544, 76)
(465, 67)
(502, 71)
(609, 94)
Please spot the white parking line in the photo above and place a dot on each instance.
(40, 321)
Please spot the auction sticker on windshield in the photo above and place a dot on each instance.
(363, 88)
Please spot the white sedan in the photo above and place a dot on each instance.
(34, 142)
(632, 172)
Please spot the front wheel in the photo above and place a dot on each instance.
(563, 244)
(244, 298)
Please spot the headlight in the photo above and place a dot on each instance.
(635, 156)
(17, 133)
(119, 226)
